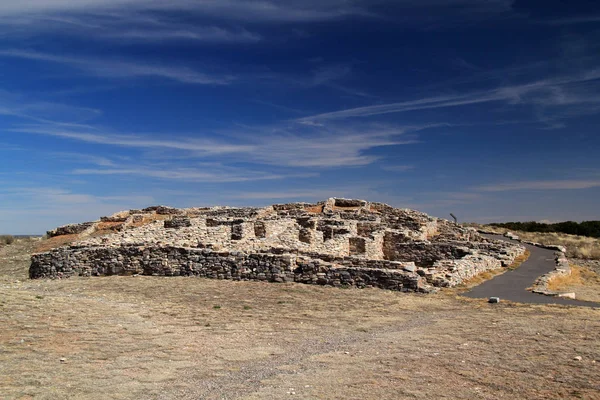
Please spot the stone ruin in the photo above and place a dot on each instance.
(338, 242)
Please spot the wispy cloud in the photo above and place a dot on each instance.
(540, 185)
(338, 77)
(62, 197)
(123, 27)
(289, 145)
(327, 146)
(123, 69)
(80, 158)
(398, 168)
(21, 107)
(559, 91)
(210, 34)
(200, 146)
(44, 208)
(583, 19)
(207, 174)
(265, 11)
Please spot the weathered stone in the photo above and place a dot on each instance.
(70, 229)
(357, 245)
(177, 222)
(568, 295)
(337, 242)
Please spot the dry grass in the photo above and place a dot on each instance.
(584, 282)
(54, 242)
(315, 209)
(577, 246)
(191, 338)
(6, 239)
(109, 226)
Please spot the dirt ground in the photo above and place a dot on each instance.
(193, 338)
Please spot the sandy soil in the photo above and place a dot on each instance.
(191, 338)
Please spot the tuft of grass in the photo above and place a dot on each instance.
(519, 260)
(217, 307)
(247, 308)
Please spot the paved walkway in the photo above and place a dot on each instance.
(512, 285)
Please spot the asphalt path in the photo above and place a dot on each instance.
(512, 285)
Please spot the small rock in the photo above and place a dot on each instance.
(569, 295)
(410, 267)
(578, 358)
(494, 300)
(62, 360)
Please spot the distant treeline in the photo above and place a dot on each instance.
(585, 228)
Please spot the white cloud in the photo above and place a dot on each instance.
(206, 174)
(80, 158)
(548, 92)
(200, 146)
(326, 146)
(34, 210)
(398, 168)
(256, 10)
(123, 69)
(125, 27)
(243, 10)
(210, 34)
(540, 185)
(18, 106)
(291, 145)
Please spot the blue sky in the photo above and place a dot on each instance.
(488, 109)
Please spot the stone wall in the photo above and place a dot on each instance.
(304, 268)
(174, 261)
(70, 229)
(335, 242)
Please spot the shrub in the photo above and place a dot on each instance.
(585, 228)
(6, 239)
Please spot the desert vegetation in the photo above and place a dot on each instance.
(583, 281)
(580, 247)
(585, 228)
(6, 239)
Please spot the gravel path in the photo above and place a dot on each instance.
(512, 285)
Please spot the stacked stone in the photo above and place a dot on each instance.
(335, 242)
